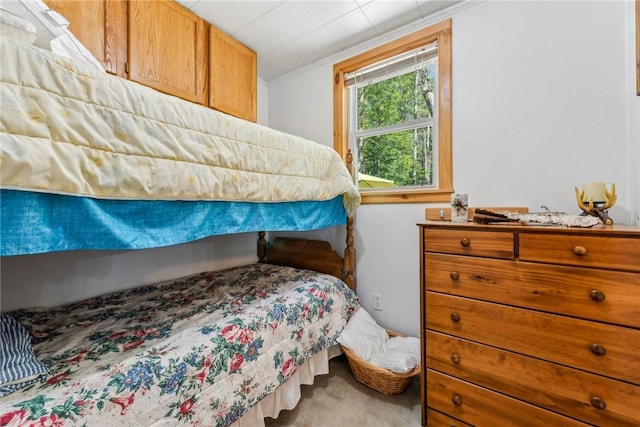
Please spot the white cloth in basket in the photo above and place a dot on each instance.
(371, 342)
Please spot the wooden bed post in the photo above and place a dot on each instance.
(350, 257)
(350, 251)
(262, 247)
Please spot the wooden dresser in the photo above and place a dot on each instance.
(530, 325)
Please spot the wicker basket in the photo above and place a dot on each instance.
(377, 378)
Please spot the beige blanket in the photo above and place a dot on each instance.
(66, 128)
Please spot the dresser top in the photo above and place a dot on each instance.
(598, 230)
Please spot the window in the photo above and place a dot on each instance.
(392, 108)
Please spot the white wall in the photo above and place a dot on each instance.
(543, 100)
(62, 277)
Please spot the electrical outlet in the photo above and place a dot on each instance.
(377, 302)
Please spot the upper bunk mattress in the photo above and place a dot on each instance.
(69, 129)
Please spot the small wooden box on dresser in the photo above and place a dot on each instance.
(530, 325)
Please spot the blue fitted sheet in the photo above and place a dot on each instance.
(32, 222)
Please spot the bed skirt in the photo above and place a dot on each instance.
(288, 394)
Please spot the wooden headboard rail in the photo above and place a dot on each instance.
(317, 255)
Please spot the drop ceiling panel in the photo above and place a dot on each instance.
(351, 29)
(389, 15)
(298, 18)
(232, 16)
(315, 45)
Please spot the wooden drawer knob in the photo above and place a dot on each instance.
(457, 400)
(597, 295)
(456, 317)
(454, 275)
(580, 250)
(598, 350)
(598, 403)
(465, 242)
(455, 358)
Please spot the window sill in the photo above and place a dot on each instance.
(406, 196)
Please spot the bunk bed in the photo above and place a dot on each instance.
(92, 161)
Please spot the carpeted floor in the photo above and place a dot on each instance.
(339, 400)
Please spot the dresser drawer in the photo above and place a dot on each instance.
(468, 242)
(575, 249)
(580, 395)
(483, 407)
(438, 419)
(595, 347)
(595, 294)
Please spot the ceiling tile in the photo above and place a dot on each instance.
(316, 45)
(346, 31)
(231, 16)
(300, 17)
(281, 61)
(262, 36)
(387, 15)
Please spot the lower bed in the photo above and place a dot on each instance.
(201, 350)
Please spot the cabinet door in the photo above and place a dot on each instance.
(167, 49)
(232, 76)
(101, 26)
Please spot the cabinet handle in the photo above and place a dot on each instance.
(598, 403)
(456, 317)
(580, 250)
(454, 275)
(455, 358)
(596, 295)
(457, 400)
(465, 242)
(598, 350)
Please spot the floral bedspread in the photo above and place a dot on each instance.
(200, 350)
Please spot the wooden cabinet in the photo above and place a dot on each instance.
(163, 45)
(168, 49)
(101, 26)
(233, 76)
(530, 326)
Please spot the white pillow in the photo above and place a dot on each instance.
(16, 27)
(363, 335)
(52, 30)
